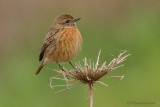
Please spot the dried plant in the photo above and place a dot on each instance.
(89, 74)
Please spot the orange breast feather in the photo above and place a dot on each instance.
(68, 45)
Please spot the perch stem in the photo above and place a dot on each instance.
(91, 94)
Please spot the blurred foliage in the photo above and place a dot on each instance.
(110, 25)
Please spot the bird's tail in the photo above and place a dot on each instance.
(39, 69)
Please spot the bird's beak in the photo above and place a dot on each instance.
(76, 19)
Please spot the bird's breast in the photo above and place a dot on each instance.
(69, 42)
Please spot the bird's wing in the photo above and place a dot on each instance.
(50, 38)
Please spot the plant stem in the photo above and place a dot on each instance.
(91, 94)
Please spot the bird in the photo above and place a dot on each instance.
(62, 43)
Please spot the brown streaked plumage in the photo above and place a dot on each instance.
(62, 43)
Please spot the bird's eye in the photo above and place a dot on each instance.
(67, 21)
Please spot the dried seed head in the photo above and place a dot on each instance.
(89, 74)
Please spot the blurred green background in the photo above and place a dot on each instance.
(110, 25)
